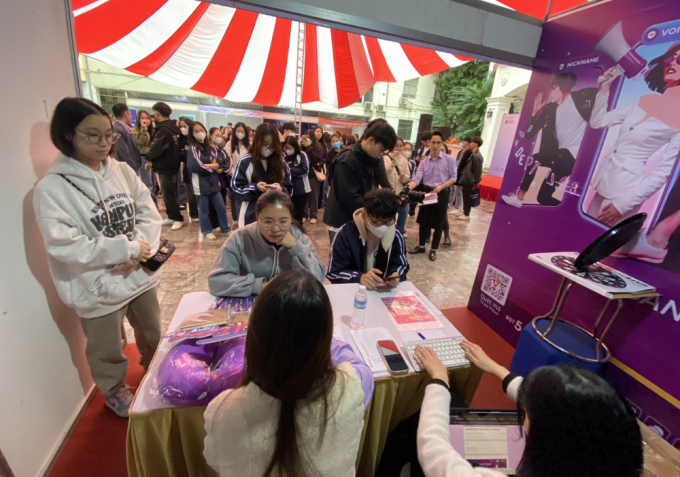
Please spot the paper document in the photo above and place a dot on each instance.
(366, 341)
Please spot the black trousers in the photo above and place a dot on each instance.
(314, 197)
(169, 193)
(192, 205)
(234, 202)
(561, 164)
(433, 216)
(401, 446)
(467, 199)
(299, 204)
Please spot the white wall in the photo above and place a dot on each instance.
(43, 374)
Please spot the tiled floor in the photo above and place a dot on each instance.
(447, 282)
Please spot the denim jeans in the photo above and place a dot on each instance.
(204, 202)
(457, 193)
(148, 177)
(401, 219)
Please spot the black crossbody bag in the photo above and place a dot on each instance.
(165, 250)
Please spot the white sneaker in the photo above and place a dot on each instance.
(464, 217)
(120, 401)
(511, 199)
(312, 221)
(168, 222)
(216, 230)
(210, 236)
(640, 249)
(177, 225)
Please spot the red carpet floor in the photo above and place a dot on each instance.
(490, 187)
(97, 445)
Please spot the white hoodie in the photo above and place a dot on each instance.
(83, 247)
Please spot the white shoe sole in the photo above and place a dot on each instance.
(512, 203)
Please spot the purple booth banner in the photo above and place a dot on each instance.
(506, 134)
(597, 142)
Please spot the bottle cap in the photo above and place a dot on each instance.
(362, 287)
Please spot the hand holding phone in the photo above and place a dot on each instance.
(395, 362)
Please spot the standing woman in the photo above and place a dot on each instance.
(314, 152)
(298, 163)
(94, 250)
(407, 152)
(217, 141)
(398, 174)
(261, 170)
(185, 126)
(326, 144)
(203, 164)
(300, 408)
(236, 148)
(141, 135)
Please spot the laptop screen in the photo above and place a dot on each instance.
(489, 439)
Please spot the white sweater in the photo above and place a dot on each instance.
(241, 426)
(436, 455)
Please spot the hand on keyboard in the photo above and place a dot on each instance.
(431, 363)
(448, 350)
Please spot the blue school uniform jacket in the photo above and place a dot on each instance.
(204, 180)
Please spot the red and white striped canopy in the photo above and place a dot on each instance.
(243, 56)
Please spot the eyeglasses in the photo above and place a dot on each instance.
(270, 224)
(379, 223)
(96, 138)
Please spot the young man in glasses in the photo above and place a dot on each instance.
(369, 249)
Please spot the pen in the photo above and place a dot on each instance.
(422, 336)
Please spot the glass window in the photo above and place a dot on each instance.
(411, 88)
(368, 97)
(404, 129)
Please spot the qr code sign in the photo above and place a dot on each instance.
(496, 284)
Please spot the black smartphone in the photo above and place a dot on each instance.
(392, 357)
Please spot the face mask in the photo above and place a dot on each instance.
(217, 141)
(184, 131)
(199, 136)
(377, 231)
(290, 152)
(337, 145)
(240, 135)
(266, 151)
(406, 154)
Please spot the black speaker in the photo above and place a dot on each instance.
(425, 124)
(446, 131)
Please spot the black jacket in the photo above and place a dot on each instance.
(546, 120)
(470, 169)
(164, 149)
(315, 156)
(299, 170)
(126, 149)
(354, 174)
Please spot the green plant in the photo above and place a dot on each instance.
(460, 99)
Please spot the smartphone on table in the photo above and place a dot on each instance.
(395, 362)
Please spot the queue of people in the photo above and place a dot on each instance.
(300, 406)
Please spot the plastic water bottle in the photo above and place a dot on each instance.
(360, 303)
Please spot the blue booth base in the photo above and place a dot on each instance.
(532, 351)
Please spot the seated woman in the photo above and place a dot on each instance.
(255, 254)
(261, 170)
(575, 422)
(300, 408)
(370, 250)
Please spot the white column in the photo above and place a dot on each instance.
(496, 108)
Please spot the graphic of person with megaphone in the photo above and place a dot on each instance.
(647, 124)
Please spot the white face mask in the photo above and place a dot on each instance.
(184, 131)
(266, 151)
(240, 135)
(217, 141)
(199, 136)
(290, 152)
(406, 154)
(377, 231)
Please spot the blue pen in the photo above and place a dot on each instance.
(422, 336)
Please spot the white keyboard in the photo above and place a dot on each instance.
(448, 350)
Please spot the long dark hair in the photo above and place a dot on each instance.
(293, 142)
(68, 114)
(234, 140)
(275, 173)
(206, 146)
(288, 356)
(579, 424)
(657, 70)
(138, 123)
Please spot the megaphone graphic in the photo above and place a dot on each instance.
(614, 45)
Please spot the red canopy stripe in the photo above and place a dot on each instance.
(362, 69)
(111, 21)
(225, 63)
(155, 60)
(381, 71)
(345, 80)
(78, 4)
(423, 60)
(310, 90)
(274, 76)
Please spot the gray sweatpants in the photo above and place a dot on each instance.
(107, 362)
